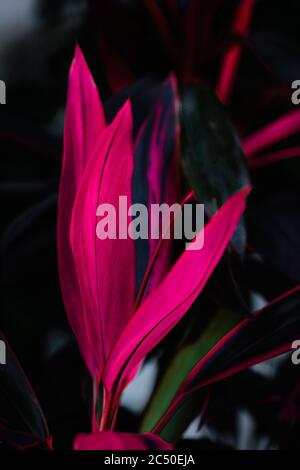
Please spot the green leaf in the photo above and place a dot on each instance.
(212, 156)
(183, 416)
(182, 363)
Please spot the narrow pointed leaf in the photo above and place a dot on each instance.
(260, 337)
(169, 302)
(268, 333)
(183, 362)
(83, 126)
(105, 268)
(273, 133)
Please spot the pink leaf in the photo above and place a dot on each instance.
(105, 268)
(119, 441)
(169, 302)
(159, 254)
(83, 126)
(282, 128)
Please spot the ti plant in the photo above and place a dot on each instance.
(127, 300)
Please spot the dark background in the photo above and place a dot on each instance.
(124, 49)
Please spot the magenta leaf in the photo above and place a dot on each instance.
(162, 251)
(169, 302)
(106, 440)
(105, 268)
(273, 133)
(83, 126)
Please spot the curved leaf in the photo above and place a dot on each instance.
(83, 125)
(164, 307)
(183, 362)
(105, 268)
(268, 333)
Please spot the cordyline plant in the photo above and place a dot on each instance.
(116, 329)
(122, 304)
